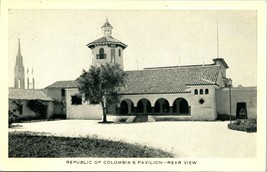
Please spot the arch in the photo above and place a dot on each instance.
(102, 53)
(162, 106)
(126, 107)
(148, 107)
(140, 107)
(206, 91)
(196, 92)
(184, 109)
(144, 106)
(201, 91)
(180, 106)
(157, 107)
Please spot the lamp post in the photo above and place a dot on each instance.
(230, 105)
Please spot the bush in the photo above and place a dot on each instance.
(248, 125)
(11, 118)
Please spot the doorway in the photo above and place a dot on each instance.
(241, 110)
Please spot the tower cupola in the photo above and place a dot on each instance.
(107, 28)
(107, 49)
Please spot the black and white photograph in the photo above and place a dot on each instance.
(133, 86)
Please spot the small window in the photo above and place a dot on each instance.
(76, 100)
(201, 91)
(119, 52)
(207, 91)
(201, 101)
(196, 91)
(101, 54)
(63, 92)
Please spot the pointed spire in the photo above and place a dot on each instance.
(106, 19)
(19, 51)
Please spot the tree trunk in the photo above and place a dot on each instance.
(104, 111)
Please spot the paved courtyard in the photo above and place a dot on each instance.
(184, 139)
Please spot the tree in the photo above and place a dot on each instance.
(102, 84)
(38, 107)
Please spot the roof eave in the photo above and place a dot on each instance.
(93, 44)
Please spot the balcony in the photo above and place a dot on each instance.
(101, 56)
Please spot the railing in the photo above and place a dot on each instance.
(101, 56)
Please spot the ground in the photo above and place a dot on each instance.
(184, 139)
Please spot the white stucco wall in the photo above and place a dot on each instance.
(246, 95)
(205, 111)
(107, 51)
(83, 111)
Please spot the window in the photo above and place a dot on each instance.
(76, 100)
(201, 101)
(19, 84)
(113, 55)
(201, 91)
(63, 92)
(206, 91)
(119, 52)
(101, 54)
(196, 91)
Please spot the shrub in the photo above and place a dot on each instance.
(12, 117)
(248, 125)
(38, 107)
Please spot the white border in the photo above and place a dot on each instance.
(207, 164)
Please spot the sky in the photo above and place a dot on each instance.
(53, 42)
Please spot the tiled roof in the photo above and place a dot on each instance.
(169, 80)
(24, 94)
(64, 84)
(161, 80)
(106, 40)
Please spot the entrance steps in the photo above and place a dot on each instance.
(130, 119)
(140, 118)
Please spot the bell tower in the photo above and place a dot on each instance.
(107, 48)
(19, 75)
(107, 28)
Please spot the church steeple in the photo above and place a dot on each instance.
(19, 51)
(19, 75)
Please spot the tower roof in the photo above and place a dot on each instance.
(107, 24)
(106, 40)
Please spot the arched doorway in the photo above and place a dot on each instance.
(126, 107)
(180, 106)
(144, 106)
(157, 107)
(140, 107)
(162, 106)
(148, 107)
